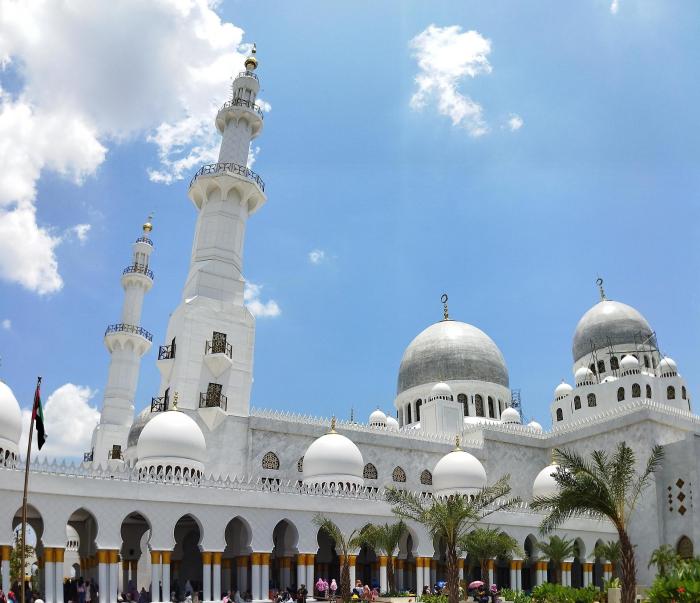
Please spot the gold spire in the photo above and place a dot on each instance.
(332, 426)
(175, 396)
(251, 62)
(148, 226)
(599, 282)
(445, 312)
(457, 444)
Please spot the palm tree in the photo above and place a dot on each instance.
(556, 550)
(664, 558)
(604, 487)
(486, 543)
(450, 518)
(610, 551)
(344, 543)
(384, 539)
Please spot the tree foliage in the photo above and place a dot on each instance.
(665, 559)
(557, 549)
(344, 545)
(384, 539)
(486, 543)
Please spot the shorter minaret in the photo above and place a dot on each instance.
(127, 342)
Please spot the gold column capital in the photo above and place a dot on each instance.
(217, 556)
(5, 552)
(265, 558)
(383, 560)
(352, 560)
(103, 556)
(301, 559)
(166, 556)
(113, 556)
(254, 558)
(155, 557)
(310, 557)
(206, 557)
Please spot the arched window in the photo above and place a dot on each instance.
(463, 400)
(670, 393)
(300, 464)
(419, 403)
(479, 404)
(408, 415)
(492, 414)
(653, 362)
(577, 402)
(426, 478)
(646, 361)
(636, 390)
(270, 461)
(369, 472)
(620, 394)
(592, 367)
(500, 407)
(601, 366)
(398, 475)
(614, 363)
(591, 400)
(683, 392)
(648, 392)
(560, 414)
(685, 548)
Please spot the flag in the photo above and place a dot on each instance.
(38, 416)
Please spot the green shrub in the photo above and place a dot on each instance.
(682, 585)
(516, 596)
(556, 593)
(433, 599)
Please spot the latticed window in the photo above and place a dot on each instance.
(614, 363)
(270, 461)
(648, 392)
(300, 464)
(462, 399)
(591, 400)
(671, 392)
(601, 366)
(426, 478)
(560, 414)
(479, 404)
(577, 403)
(492, 413)
(369, 472)
(620, 394)
(636, 390)
(398, 475)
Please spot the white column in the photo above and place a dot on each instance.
(216, 576)
(382, 574)
(419, 576)
(310, 560)
(265, 575)
(519, 576)
(513, 575)
(58, 571)
(607, 573)
(255, 576)
(49, 576)
(155, 576)
(165, 568)
(301, 569)
(206, 576)
(113, 576)
(102, 576)
(5, 567)
(398, 573)
(352, 570)
(491, 572)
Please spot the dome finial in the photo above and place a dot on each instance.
(148, 226)
(445, 312)
(599, 282)
(175, 396)
(251, 62)
(457, 443)
(332, 425)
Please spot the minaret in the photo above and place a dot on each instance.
(127, 342)
(208, 359)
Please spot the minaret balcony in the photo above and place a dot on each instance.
(218, 356)
(229, 168)
(248, 74)
(145, 240)
(138, 269)
(131, 329)
(241, 102)
(121, 334)
(212, 400)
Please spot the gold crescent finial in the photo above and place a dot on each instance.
(445, 312)
(148, 225)
(599, 282)
(175, 396)
(457, 443)
(332, 425)
(255, 49)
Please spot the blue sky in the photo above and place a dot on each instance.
(515, 225)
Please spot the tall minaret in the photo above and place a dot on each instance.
(208, 356)
(127, 342)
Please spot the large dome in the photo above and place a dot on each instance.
(137, 426)
(451, 350)
(610, 322)
(172, 434)
(10, 416)
(333, 458)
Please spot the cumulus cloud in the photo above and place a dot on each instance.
(445, 56)
(92, 75)
(515, 122)
(69, 420)
(6, 324)
(257, 307)
(317, 256)
(81, 231)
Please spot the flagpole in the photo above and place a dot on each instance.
(24, 500)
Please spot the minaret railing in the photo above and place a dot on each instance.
(241, 102)
(125, 328)
(218, 347)
(247, 74)
(210, 400)
(145, 240)
(139, 269)
(166, 352)
(233, 168)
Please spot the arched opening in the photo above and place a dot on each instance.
(479, 405)
(462, 399)
(136, 562)
(270, 461)
(560, 414)
(620, 394)
(83, 523)
(366, 568)
(648, 388)
(33, 538)
(419, 403)
(614, 363)
(529, 570)
(186, 560)
(577, 565)
(408, 415)
(285, 539)
(601, 367)
(426, 478)
(370, 472)
(327, 563)
(683, 392)
(636, 390)
(398, 475)
(591, 400)
(405, 567)
(684, 548)
(598, 573)
(235, 564)
(670, 393)
(492, 412)
(577, 402)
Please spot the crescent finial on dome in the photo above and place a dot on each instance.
(445, 311)
(332, 425)
(599, 282)
(457, 443)
(175, 396)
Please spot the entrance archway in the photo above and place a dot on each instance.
(327, 563)
(236, 569)
(186, 569)
(285, 539)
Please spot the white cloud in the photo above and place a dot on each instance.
(81, 231)
(69, 420)
(445, 56)
(317, 256)
(615, 6)
(258, 308)
(95, 74)
(515, 122)
(253, 153)
(6, 324)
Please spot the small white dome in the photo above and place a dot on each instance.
(333, 458)
(544, 484)
(172, 434)
(535, 426)
(609, 379)
(10, 417)
(629, 363)
(667, 365)
(562, 390)
(377, 419)
(584, 375)
(441, 391)
(510, 415)
(458, 472)
(391, 423)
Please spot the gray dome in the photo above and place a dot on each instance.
(610, 322)
(451, 350)
(137, 426)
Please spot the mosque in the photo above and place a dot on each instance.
(201, 488)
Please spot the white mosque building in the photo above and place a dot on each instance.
(201, 488)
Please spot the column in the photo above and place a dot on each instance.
(255, 576)
(165, 557)
(426, 572)
(216, 576)
(155, 576)
(490, 564)
(538, 573)
(607, 571)
(352, 567)
(114, 576)
(433, 572)
(226, 574)
(206, 576)
(419, 576)
(49, 576)
(587, 574)
(514, 574)
(125, 575)
(265, 575)
(301, 569)
(5, 551)
(310, 560)
(520, 574)
(103, 576)
(244, 586)
(399, 566)
(460, 568)
(285, 572)
(382, 574)
(58, 560)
